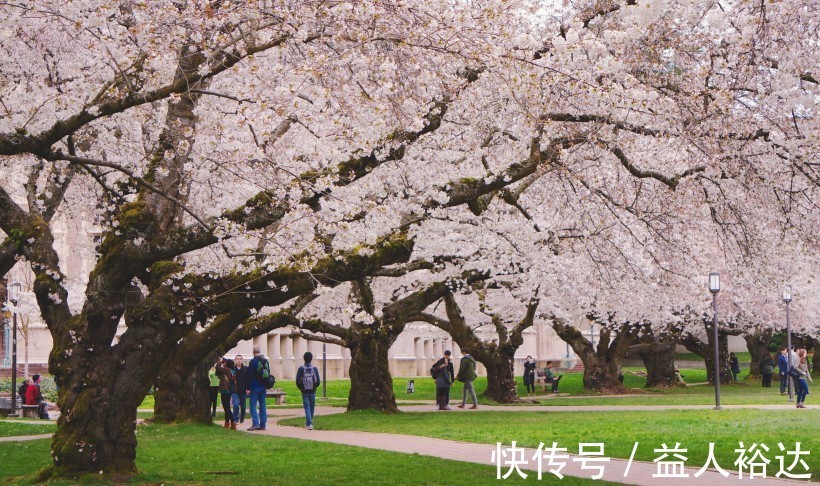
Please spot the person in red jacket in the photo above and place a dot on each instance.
(35, 397)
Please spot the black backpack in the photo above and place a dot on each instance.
(434, 371)
(263, 373)
(21, 391)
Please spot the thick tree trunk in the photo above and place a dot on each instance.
(501, 384)
(758, 344)
(371, 385)
(181, 395)
(97, 434)
(602, 364)
(601, 373)
(659, 360)
(98, 403)
(706, 351)
(815, 362)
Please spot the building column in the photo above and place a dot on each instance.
(418, 347)
(288, 361)
(275, 354)
(345, 362)
(428, 355)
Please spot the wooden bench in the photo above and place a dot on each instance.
(277, 394)
(540, 379)
(30, 411)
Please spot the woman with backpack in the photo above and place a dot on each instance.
(227, 387)
(443, 383)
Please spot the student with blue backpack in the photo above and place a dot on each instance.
(307, 380)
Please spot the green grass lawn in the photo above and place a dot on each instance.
(617, 430)
(26, 427)
(192, 454)
(742, 357)
(747, 392)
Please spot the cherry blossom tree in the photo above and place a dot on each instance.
(239, 156)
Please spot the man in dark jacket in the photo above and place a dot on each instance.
(783, 369)
(466, 375)
(307, 380)
(451, 370)
(243, 386)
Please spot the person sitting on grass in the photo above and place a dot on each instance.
(679, 377)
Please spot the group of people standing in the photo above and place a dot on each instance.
(791, 365)
(444, 374)
(794, 365)
(235, 383)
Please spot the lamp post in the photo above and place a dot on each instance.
(324, 367)
(787, 298)
(714, 287)
(14, 296)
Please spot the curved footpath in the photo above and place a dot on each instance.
(638, 472)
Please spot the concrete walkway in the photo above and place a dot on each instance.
(615, 470)
(23, 438)
(597, 408)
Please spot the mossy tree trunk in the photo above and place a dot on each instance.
(707, 351)
(659, 360)
(501, 384)
(101, 386)
(181, 394)
(602, 363)
(96, 430)
(757, 342)
(371, 385)
(657, 351)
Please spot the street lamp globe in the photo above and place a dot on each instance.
(14, 292)
(787, 293)
(714, 282)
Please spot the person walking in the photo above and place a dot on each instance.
(735, 365)
(767, 370)
(802, 383)
(466, 375)
(227, 387)
(307, 380)
(242, 375)
(256, 393)
(783, 369)
(529, 375)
